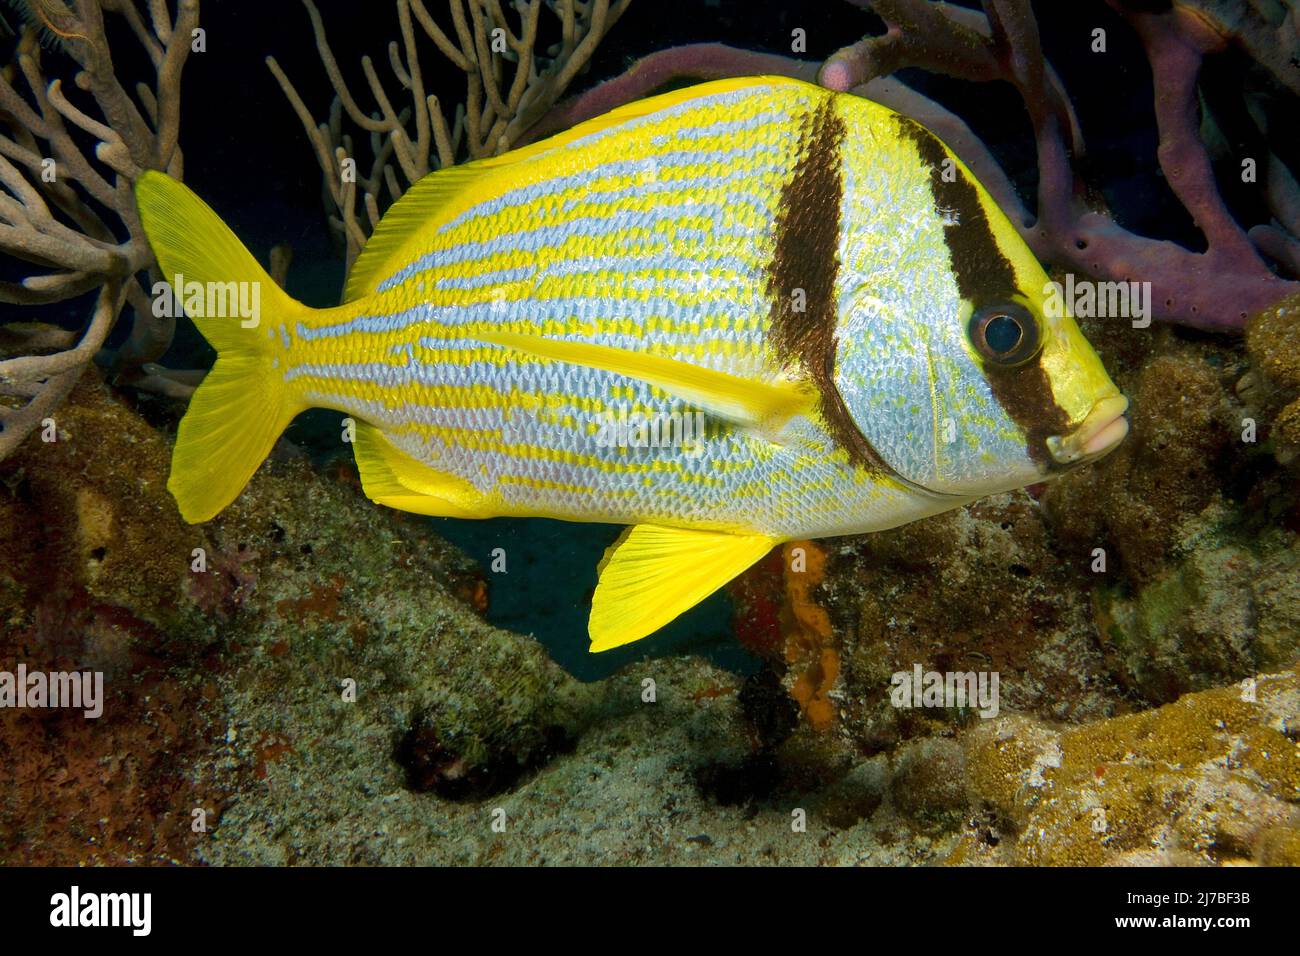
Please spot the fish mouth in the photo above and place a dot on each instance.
(1102, 429)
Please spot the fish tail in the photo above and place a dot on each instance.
(244, 403)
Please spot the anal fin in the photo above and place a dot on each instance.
(393, 478)
(654, 573)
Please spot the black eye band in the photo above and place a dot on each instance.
(1005, 333)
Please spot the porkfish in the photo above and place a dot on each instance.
(816, 280)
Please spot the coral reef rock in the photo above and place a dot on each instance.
(309, 679)
(1211, 778)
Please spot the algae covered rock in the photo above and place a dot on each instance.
(1276, 594)
(233, 650)
(1211, 778)
(979, 591)
(1221, 610)
(1273, 338)
(854, 796)
(1135, 502)
(1188, 629)
(1193, 524)
(94, 562)
(90, 541)
(315, 675)
(1006, 761)
(928, 784)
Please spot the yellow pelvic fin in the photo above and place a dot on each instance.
(759, 405)
(419, 206)
(393, 478)
(654, 573)
(243, 404)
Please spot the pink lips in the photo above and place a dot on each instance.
(1101, 430)
(1109, 436)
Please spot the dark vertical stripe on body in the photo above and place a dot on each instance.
(985, 276)
(806, 258)
(983, 273)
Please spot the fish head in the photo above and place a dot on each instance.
(1017, 396)
(956, 362)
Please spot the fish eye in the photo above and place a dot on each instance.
(1005, 333)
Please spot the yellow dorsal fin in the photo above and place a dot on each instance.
(420, 203)
(637, 109)
(654, 573)
(393, 478)
(417, 207)
(759, 405)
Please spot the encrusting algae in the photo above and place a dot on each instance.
(1211, 778)
(1273, 340)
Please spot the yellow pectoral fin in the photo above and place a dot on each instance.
(654, 573)
(393, 478)
(762, 406)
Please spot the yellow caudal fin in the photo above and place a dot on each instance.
(243, 405)
(654, 573)
(761, 406)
